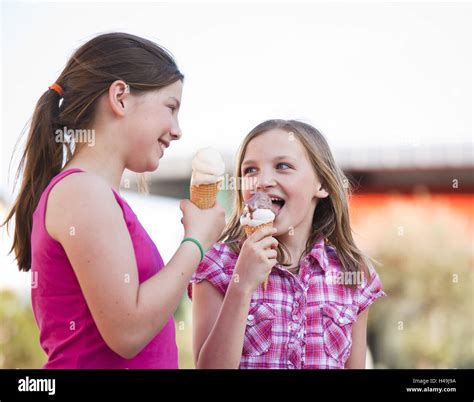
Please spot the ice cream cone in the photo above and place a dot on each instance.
(250, 230)
(206, 179)
(204, 195)
(257, 213)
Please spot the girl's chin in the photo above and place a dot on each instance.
(280, 227)
(152, 165)
(284, 226)
(278, 233)
(278, 219)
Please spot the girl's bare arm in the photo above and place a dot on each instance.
(359, 342)
(219, 325)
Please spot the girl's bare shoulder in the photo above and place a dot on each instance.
(79, 197)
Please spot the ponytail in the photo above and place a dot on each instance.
(40, 162)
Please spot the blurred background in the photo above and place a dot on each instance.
(388, 84)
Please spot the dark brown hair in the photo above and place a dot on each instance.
(331, 216)
(142, 64)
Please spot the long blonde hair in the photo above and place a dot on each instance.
(331, 216)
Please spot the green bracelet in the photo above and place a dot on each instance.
(195, 242)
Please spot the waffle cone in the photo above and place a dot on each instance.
(249, 230)
(204, 195)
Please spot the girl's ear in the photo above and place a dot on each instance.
(118, 92)
(321, 193)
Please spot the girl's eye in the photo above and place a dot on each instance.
(248, 170)
(283, 166)
(172, 107)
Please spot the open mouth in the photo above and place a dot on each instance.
(163, 145)
(277, 204)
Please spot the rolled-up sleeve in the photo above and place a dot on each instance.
(213, 268)
(369, 291)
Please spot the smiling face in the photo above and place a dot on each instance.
(279, 164)
(151, 125)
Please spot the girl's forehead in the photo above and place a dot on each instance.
(173, 90)
(276, 142)
(176, 88)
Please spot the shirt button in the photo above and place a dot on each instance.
(295, 317)
(291, 365)
(341, 320)
(250, 317)
(306, 278)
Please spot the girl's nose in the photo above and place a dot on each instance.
(176, 133)
(264, 182)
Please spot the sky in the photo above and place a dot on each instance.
(368, 75)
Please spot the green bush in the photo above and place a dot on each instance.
(19, 335)
(426, 255)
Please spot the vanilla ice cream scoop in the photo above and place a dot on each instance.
(208, 167)
(257, 211)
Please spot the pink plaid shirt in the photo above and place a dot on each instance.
(300, 321)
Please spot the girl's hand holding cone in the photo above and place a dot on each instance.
(256, 259)
(257, 214)
(205, 225)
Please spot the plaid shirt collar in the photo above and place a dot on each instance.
(318, 253)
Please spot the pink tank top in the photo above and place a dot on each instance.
(68, 333)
